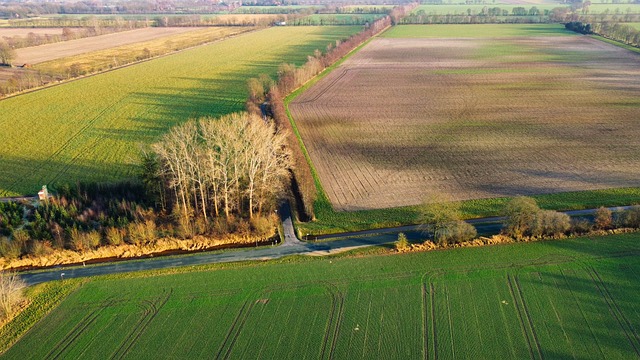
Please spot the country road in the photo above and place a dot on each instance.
(291, 246)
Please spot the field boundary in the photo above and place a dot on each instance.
(322, 196)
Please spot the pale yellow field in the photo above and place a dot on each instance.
(42, 53)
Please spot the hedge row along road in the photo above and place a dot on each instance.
(291, 246)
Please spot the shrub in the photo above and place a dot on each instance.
(9, 249)
(580, 226)
(631, 217)
(40, 248)
(439, 217)
(550, 223)
(603, 218)
(142, 233)
(520, 214)
(92, 239)
(114, 236)
(76, 240)
(11, 293)
(462, 231)
(261, 226)
(402, 244)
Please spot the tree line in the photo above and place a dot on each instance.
(212, 168)
(523, 220)
(615, 31)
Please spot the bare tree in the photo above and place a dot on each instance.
(228, 163)
(7, 54)
(11, 293)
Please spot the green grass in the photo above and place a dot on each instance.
(42, 299)
(330, 221)
(94, 129)
(476, 31)
(557, 299)
(634, 25)
(341, 19)
(614, 9)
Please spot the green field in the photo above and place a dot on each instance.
(475, 31)
(614, 9)
(94, 129)
(634, 25)
(462, 9)
(557, 299)
(340, 19)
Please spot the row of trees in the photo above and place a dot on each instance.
(236, 164)
(616, 31)
(523, 220)
(619, 32)
(266, 98)
(7, 53)
(33, 39)
(488, 15)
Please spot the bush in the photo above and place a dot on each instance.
(631, 217)
(580, 226)
(402, 244)
(462, 231)
(114, 236)
(550, 223)
(11, 293)
(76, 240)
(520, 215)
(40, 248)
(524, 218)
(439, 218)
(142, 233)
(92, 239)
(261, 226)
(603, 219)
(9, 249)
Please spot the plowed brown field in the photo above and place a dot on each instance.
(473, 118)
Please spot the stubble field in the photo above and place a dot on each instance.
(558, 299)
(47, 52)
(473, 117)
(22, 32)
(94, 129)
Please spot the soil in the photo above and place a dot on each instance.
(404, 119)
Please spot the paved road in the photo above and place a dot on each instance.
(291, 246)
